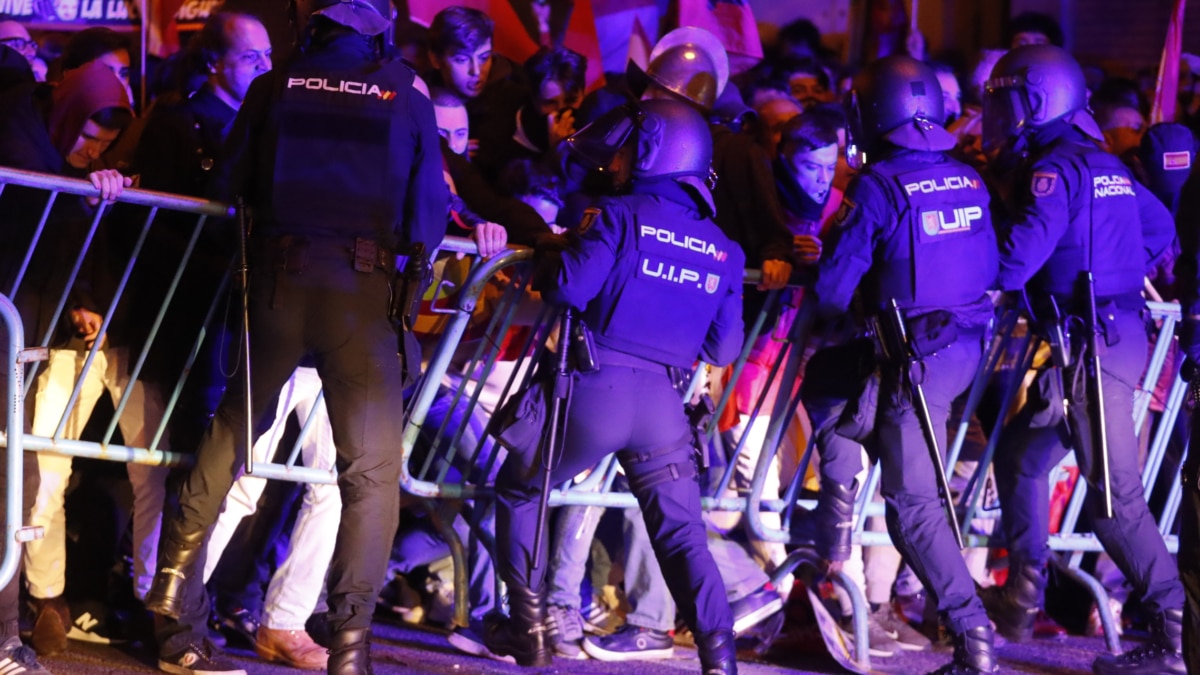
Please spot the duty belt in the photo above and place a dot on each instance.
(291, 252)
(611, 357)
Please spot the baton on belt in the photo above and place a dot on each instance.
(897, 348)
(553, 436)
(1095, 388)
(244, 278)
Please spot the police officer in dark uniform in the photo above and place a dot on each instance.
(338, 156)
(1187, 274)
(1076, 208)
(660, 286)
(914, 227)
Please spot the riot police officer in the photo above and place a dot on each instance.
(660, 286)
(338, 155)
(914, 229)
(1075, 210)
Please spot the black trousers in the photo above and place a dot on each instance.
(339, 317)
(638, 414)
(1189, 557)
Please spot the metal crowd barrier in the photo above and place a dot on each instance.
(495, 325)
(1008, 356)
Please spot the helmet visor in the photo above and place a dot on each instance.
(596, 145)
(1006, 114)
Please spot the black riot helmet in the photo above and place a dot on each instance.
(670, 138)
(1030, 87)
(895, 100)
(366, 17)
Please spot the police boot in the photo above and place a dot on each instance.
(829, 527)
(974, 653)
(1014, 606)
(522, 634)
(718, 653)
(1161, 654)
(350, 652)
(178, 554)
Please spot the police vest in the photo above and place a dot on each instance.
(942, 251)
(1105, 230)
(673, 271)
(334, 172)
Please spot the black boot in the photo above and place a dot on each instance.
(177, 556)
(522, 634)
(1161, 654)
(718, 653)
(350, 652)
(1014, 606)
(974, 653)
(829, 527)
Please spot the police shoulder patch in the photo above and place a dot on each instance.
(589, 219)
(1174, 161)
(1043, 183)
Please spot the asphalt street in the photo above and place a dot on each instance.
(401, 649)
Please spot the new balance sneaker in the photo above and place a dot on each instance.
(198, 659)
(94, 623)
(631, 643)
(903, 635)
(565, 627)
(470, 641)
(17, 659)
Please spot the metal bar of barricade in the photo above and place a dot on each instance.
(534, 345)
(740, 363)
(197, 345)
(975, 487)
(726, 482)
(504, 319)
(991, 360)
(15, 461)
(1079, 494)
(1163, 432)
(83, 188)
(56, 316)
(1144, 395)
(37, 236)
(443, 354)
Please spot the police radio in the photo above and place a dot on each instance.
(582, 347)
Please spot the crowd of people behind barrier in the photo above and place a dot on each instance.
(779, 149)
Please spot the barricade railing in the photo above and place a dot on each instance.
(496, 330)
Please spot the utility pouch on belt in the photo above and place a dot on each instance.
(583, 348)
(930, 332)
(413, 272)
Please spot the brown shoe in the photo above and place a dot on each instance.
(50, 626)
(290, 647)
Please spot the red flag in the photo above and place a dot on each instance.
(512, 39)
(1166, 90)
(732, 21)
(163, 36)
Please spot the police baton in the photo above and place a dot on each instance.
(555, 432)
(1095, 389)
(898, 347)
(244, 278)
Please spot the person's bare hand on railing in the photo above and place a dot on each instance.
(490, 238)
(110, 183)
(775, 275)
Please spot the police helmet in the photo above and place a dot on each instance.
(673, 141)
(896, 99)
(690, 62)
(368, 17)
(1032, 86)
